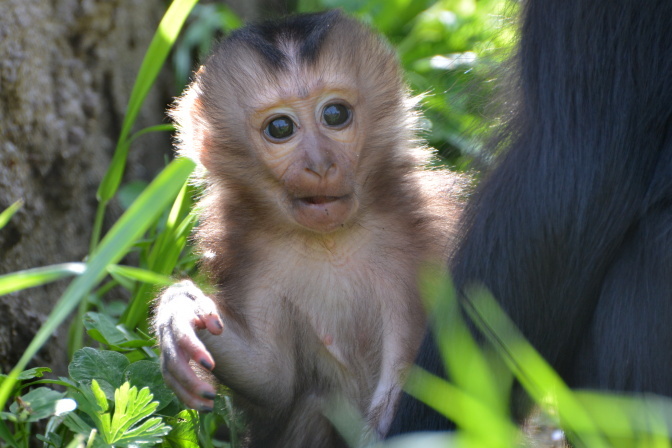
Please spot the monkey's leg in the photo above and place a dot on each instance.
(386, 394)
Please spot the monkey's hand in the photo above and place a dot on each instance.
(181, 310)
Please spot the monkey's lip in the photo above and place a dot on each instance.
(323, 213)
(317, 200)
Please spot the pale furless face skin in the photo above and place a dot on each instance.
(316, 217)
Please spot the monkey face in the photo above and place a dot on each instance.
(297, 133)
(308, 140)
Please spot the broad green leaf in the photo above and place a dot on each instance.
(103, 329)
(132, 224)
(36, 372)
(143, 374)
(89, 364)
(30, 278)
(36, 405)
(185, 430)
(93, 401)
(7, 213)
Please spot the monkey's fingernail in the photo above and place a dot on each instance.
(208, 395)
(219, 324)
(205, 408)
(206, 364)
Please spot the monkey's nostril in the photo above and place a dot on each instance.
(321, 171)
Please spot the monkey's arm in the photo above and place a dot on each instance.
(180, 310)
(256, 365)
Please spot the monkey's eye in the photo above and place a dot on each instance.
(280, 128)
(335, 114)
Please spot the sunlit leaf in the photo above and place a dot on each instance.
(30, 278)
(158, 50)
(7, 213)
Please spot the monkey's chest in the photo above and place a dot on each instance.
(323, 308)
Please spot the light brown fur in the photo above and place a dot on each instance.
(321, 311)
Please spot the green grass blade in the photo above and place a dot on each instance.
(158, 50)
(29, 278)
(163, 256)
(7, 214)
(139, 274)
(6, 435)
(537, 377)
(116, 244)
(157, 128)
(461, 407)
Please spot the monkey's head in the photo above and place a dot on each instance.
(300, 118)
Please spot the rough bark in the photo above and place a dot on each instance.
(66, 71)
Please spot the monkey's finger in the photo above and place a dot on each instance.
(192, 348)
(213, 323)
(207, 315)
(180, 376)
(196, 394)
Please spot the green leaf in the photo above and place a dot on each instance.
(127, 423)
(89, 364)
(141, 275)
(132, 224)
(77, 425)
(129, 192)
(537, 377)
(156, 128)
(158, 50)
(131, 407)
(36, 372)
(37, 404)
(30, 278)
(6, 435)
(102, 328)
(148, 374)
(7, 213)
(164, 254)
(185, 430)
(462, 408)
(100, 396)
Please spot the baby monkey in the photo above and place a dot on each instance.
(317, 215)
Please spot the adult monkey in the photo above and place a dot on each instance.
(572, 230)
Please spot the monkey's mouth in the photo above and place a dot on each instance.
(323, 213)
(317, 200)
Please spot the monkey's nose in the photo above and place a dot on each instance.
(321, 170)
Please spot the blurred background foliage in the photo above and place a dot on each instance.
(449, 50)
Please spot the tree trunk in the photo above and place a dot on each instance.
(66, 71)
